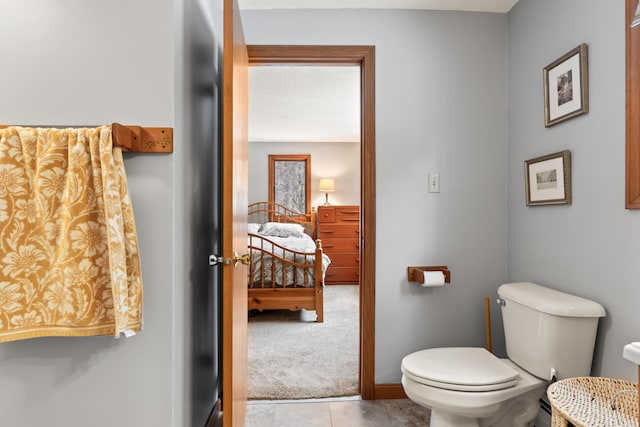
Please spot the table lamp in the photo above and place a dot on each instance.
(327, 185)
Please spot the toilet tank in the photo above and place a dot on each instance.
(548, 332)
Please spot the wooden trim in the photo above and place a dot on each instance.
(311, 54)
(632, 36)
(273, 158)
(364, 56)
(135, 139)
(368, 225)
(389, 391)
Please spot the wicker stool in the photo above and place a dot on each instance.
(593, 402)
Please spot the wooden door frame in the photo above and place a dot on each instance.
(363, 56)
(632, 154)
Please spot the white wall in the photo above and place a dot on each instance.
(337, 160)
(591, 247)
(78, 62)
(440, 107)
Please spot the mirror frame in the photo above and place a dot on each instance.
(632, 36)
(303, 158)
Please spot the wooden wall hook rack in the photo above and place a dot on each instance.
(136, 139)
(416, 274)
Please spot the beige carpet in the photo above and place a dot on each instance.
(293, 357)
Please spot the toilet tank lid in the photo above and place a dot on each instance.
(550, 301)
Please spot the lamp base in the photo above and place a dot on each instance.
(326, 200)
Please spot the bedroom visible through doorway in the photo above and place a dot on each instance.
(310, 110)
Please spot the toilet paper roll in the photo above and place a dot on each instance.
(433, 279)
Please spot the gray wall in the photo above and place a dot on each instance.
(338, 160)
(63, 73)
(440, 107)
(591, 247)
(73, 62)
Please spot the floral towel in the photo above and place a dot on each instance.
(69, 262)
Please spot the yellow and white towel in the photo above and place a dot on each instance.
(69, 262)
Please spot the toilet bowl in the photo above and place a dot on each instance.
(548, 335)
(470, 387)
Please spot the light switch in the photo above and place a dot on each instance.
(434, 183)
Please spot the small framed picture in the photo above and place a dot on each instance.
(548, 179)
(566, 87)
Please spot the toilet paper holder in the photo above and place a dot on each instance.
(416, 274)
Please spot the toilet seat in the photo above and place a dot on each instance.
(459, 369)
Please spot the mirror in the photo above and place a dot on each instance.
(289, 181)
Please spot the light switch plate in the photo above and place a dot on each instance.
(434, 183)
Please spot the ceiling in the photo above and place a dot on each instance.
(319, 103)
(499, 6)
(304, 103)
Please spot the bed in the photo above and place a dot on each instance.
(287, 265)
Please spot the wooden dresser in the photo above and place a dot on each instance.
(339, 230)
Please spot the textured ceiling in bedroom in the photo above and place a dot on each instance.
(304, 103)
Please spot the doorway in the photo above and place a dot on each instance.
(304, 124)
(363, 56)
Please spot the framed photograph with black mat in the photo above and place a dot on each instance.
(566, 86)
(548, 179)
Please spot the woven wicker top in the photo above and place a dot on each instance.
(587, 401)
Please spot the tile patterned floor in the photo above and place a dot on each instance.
(337, 413)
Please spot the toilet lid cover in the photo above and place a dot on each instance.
(459, 368)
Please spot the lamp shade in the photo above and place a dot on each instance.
(327, 184)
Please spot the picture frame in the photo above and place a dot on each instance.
(548, 179)
(566, 86)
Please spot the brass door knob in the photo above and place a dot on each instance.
(244, 259)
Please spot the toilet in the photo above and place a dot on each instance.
(549, 335)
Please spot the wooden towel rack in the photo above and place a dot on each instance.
(138, 139)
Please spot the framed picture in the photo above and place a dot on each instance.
(566, 87)
(548, 179)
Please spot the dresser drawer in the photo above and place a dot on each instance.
(339, 214)
(347, 214)
(326, 214)
(342, 274)
(333, 245)
(338, 230)
(344, 260)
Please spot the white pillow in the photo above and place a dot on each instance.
(279, 229)
(253, 227)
